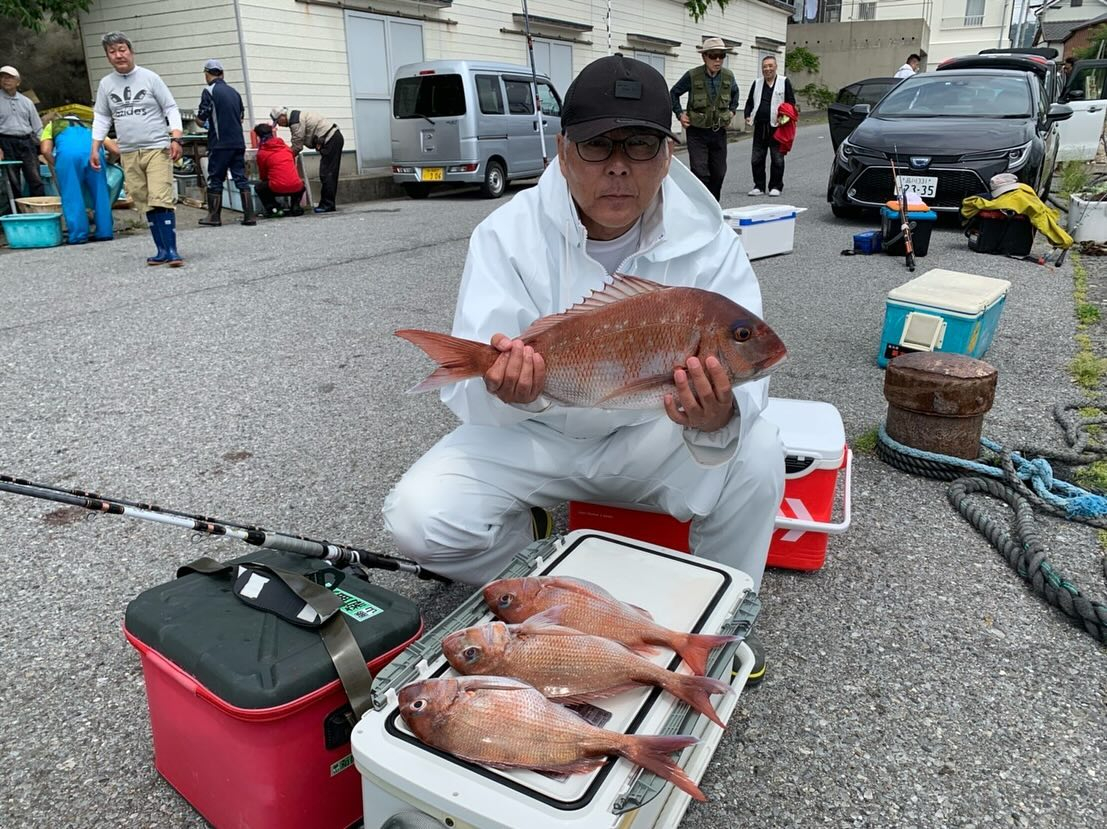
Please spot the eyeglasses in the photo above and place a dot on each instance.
(638, 147)
(716, 55)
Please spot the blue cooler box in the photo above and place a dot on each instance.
(941, 310)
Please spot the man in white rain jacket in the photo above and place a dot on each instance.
(475, 498)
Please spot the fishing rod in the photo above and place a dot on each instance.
(341, 555)
(905, 222)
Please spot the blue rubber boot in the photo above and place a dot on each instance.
(168, 221)
(156, 232)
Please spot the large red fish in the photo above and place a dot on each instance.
(568, 666)
(591, 609)
(619, 347)
(506, 723)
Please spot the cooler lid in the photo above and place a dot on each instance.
(964, 293)
(809, 429)
(757, 213)
(251, 658)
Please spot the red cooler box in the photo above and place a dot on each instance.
(249, 719)
(815, 452)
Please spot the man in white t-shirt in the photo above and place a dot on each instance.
(910, 68)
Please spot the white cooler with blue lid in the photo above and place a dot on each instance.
(683, 592)
(766, 229)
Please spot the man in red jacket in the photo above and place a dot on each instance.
(277, 170)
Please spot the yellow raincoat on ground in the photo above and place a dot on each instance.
(1022, 200)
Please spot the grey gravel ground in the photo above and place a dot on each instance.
(913, 680)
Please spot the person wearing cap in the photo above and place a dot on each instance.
(148, 129)
(19, 130)
(713, 98)
(66, 143)
(762, 111)
(220, 113)
(909, 68)
(614, 200)
(277, 171)
(322, 135)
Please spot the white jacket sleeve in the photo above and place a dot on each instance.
(734, 279)
(492, 299)
(101, 114)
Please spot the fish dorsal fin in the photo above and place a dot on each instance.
(576, 585)
(549, 616)
(623, 286)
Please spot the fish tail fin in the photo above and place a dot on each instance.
(694, 648)
(457, 359)
(697, 692)
(652, 753)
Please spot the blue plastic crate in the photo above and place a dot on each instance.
(33, 230)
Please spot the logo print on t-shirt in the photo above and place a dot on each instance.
(127, 103)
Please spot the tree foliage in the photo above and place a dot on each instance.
(698, 8)
(801, 59)
(35, 14)
(1095, 42)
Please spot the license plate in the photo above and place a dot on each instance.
(438, 174)
(925, 186)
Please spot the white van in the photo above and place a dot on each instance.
(465, 122)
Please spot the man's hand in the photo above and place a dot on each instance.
(174, 150)
(749, 121)
(94, 156)
(684, 119)
(519, 373)
(703, 398)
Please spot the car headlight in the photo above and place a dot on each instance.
(845, 152)
(1018, 156)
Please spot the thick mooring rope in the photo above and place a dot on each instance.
(1023, 484)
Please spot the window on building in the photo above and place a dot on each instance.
(831, 12)
(866, 11)
(654, 60)
(974, 12)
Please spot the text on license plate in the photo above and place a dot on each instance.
(436, 174)
(925, 186)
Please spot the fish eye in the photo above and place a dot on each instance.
(418, 705)
(470, 653)
(505, 600)
(741, 333)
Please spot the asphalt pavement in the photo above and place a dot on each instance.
(913, 681)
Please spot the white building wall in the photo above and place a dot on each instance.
(171, 37)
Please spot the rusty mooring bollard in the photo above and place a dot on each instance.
(937, 401)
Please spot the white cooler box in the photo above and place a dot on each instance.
(401, 775)
(766, 229)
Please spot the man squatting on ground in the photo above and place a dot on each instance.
(140, 105)
(613, 199)
(767, 93)
(220, 113)
(712, 103)
(20, 127)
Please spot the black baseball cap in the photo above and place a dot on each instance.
(616, 92)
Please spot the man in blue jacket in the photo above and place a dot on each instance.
(221, 112)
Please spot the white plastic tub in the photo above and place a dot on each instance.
(766, 229)
(1087, 220)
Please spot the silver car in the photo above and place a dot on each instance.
(470, 122)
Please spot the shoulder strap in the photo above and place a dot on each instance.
(303, 602)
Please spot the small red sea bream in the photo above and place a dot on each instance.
(568, 666)
(505, 723)
(589, 608)
(619, 347)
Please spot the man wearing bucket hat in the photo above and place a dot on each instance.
(148, 129)
(321, 134)
(713, 98)
(613, 199)
(220, 113)
(19, 130)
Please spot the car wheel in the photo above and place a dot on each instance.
(417, 189)
(844, 211)
(495, 181)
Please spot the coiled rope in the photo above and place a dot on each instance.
(1023, 483)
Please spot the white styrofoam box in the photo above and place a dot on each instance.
(682, 592)
(766, 229)
(1087, 220)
